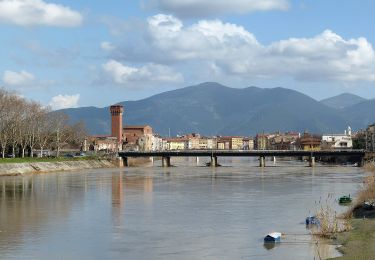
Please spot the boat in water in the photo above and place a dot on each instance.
(312, 220)
(345, 200)
(273, 237)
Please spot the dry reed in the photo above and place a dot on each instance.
(368, 193)
(330, 223)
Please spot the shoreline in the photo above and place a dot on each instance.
(359, 242)
(19, 169)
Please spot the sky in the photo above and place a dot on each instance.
(96, 53)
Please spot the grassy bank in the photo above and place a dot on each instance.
(359, 243)
(45, 159)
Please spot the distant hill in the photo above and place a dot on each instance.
(343, 100)
(362, 114)
(213, 109)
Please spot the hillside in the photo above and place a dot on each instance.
(343, 100)
(212, 109)
(362, 114)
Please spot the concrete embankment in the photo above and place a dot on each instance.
(41, 167)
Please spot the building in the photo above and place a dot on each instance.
(157, 143)
(310, 142)
(283, 141)
(193, 143)
(261, 142)
(338, 141)
(230, 143)
(103, 143)
(116, 119)
(211, 143)
(370, 138)
(138, 136)
(248, 143)
(177, 143)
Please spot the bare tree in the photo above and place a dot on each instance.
(27, 124)
(44, 131)
(4, 120)
(62, 132)
(13, 126)
(36, 116)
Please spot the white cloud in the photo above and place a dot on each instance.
(107, 46)
(24, 80)
(64, 101)
(199, 8)
(38, 12)
(214, 50)
(18, 79)
(149, 73)
(201, 40)
(326, 56)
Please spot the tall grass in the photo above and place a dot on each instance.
(330, 223)
(368, 193)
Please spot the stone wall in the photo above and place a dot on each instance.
(40, 167)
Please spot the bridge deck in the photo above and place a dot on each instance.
(242, 153)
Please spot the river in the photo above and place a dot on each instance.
(183, 212)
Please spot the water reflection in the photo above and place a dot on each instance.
(184, 212)
(117, 199)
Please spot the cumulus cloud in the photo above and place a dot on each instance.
(200, 8)
(64, 101)
(18, 79)
(212, 47)
(38, 12)
(149, 73)
(24, 80)
(107, 46)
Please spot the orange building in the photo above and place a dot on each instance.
(309, 142)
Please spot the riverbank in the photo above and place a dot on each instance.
(359, 242)
(53, 165)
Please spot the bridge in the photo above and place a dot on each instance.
(262, 154)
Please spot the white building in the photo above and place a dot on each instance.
(157, 143)
(339, 141)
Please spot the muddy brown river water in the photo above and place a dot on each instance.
(183, 212)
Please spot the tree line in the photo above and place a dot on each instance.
(27, 125)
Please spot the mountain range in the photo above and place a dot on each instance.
(213, 109)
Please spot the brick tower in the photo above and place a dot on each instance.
(116, 113)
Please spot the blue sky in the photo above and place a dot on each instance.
(95, 53)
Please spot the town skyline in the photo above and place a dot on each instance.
(78, 54)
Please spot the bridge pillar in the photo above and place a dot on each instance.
(197, 160)
(166, 161)
(214, 161)
(312, 161)
(262, 161)
(361, 162)
(125, 162)
(274, 160)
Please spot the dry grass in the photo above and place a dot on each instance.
(330, 223)
(368, 193)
